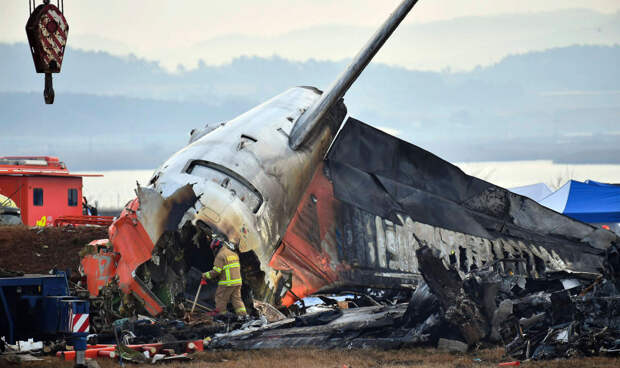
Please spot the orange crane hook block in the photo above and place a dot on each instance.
(47, 31)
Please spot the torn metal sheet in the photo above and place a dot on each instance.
(460, 310)
(358, 327)
(368, 163)
(145, 218)
(158, 214)
(378, 199)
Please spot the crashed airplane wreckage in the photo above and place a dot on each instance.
(368, 207)
(314, 209)
(534, 318)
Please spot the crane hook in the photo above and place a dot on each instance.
(48, 92)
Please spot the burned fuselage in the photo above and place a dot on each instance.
(311, 212)
(247, 178)
(376, 200)
(247, 175)
(372, 201)
(245, 183)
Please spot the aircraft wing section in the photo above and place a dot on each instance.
(367, 164)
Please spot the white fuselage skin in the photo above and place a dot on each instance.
(252, 151)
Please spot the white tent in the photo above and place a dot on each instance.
(534, 191)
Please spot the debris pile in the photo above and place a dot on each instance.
(361, 327)
(560, 315)
(559, 324)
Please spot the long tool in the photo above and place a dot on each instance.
(202, 282)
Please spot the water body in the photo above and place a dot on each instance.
(115, 188)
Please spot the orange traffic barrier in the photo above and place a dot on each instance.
(510, 364)
(94, 351)
(100, 346)
(88, 353)
(107, 354)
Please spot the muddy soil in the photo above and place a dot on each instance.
(38, 250)
(314, 358)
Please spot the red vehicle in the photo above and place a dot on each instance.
(45, 191)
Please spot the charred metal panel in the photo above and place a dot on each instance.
(352, 328)
(311, 248)
(367, 163)
(158, 214)
(461, 311)
(378, 199)
(332, 245)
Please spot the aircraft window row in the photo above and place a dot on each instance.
(228, 179)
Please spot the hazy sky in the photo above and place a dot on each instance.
(167, 30)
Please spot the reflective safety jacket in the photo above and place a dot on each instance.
(226, 266)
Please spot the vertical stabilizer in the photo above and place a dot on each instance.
(312, 117)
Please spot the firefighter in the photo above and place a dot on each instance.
(227, 270)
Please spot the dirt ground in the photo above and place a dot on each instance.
(313, 358)
(38, 250)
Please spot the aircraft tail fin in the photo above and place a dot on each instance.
(312, 117)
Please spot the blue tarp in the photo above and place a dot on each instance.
(601, 184)
(590, 202)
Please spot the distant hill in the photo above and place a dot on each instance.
(460, 43)
(124, 112)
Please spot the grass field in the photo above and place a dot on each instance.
(314, 358)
